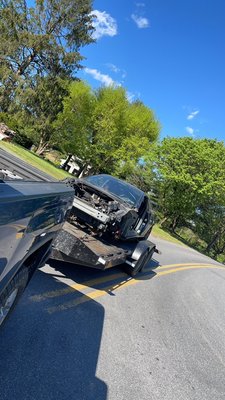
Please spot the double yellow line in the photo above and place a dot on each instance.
(123, 282)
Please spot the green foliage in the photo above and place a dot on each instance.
(123, 131)
(12, 122)
(37, 109)
(189, 180)
(189, 172)
(41, 40)
(105, 129)
(143, 178)
(210, 225)
(9, 120)
(23, 140)
(73, 125)
(141, 122)
(108, 126)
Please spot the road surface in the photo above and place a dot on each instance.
(20, 168)
(84, 334)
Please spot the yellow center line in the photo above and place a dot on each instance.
(99, 293)
(19, 235)
(185, 264)
(87, 297)
(78, 286)
(211, 266)
(96, 281)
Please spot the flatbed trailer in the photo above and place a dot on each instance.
(75, 246)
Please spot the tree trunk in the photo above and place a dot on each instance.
(163, 222)
(213, 241)
(174, 223)
(25, 64)
(42, 146)
(217, 249)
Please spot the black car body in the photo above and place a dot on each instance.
(107, 205)
(31, 214)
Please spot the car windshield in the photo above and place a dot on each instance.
(126, 192)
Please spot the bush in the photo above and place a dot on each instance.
(22, 140)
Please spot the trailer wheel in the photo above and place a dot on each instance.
(11, 294)
(141, 263)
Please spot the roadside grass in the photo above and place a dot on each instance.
(191, 239)
(185, 237)
(33, 159)
(160, 233)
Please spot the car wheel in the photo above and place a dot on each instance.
(11, 294)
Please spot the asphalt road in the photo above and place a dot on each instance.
(84, 334)
(20, 168)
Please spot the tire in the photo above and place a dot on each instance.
(11, 294)
(141, 263)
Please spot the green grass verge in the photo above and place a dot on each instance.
(160, 233)
(34, 160)
(188, 239)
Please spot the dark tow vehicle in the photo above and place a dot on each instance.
(31, 213)
(108, 225)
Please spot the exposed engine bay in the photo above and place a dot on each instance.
(106, 206)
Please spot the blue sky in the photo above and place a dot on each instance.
(169, 54)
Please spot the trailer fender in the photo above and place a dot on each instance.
(140, 257)
(141, 248)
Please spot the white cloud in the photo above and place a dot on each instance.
(117, 70)
(192, 115)
(104, 24)
(190, 131)
(113, 68)
(141, 22)
(103, 78)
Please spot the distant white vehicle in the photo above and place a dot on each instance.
(70, 165)
(75, 166)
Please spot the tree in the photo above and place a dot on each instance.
(210, 226)
(105, 129)
(37, 108)
(74, 123)
(41, 40)
(122, 131)
(190, 174)
(141, 131)
(108, 126)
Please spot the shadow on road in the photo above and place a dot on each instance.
(51, 356)
(108, 280)
(50, 346)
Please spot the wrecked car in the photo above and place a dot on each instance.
(109, 225)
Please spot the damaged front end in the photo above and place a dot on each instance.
(105, 205)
